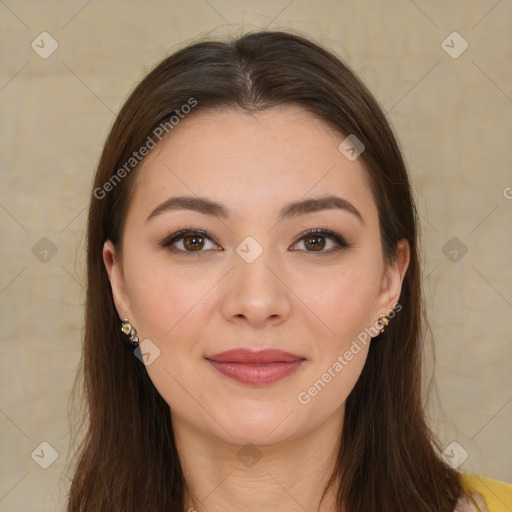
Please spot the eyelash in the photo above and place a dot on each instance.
(322, 233)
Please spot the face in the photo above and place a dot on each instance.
(242, 269)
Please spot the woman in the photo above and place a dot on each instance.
(252, 234)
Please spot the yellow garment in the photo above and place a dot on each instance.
(496, 494)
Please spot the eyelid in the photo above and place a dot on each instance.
(178, 235)
(326, 233)
(322, 232)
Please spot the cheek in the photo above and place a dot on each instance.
(339, 299)
(344, 309)
(162, 297)
(343, 300)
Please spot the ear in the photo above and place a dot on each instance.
(115, 275)
(391, 284)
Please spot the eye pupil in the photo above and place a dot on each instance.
(193, 242)
(319, 243)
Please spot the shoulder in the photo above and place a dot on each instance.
(497, 494)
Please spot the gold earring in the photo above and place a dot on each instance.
(130, 331)
(383, 320)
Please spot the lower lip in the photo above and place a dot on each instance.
(256, 374)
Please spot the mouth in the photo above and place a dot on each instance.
(256, 368)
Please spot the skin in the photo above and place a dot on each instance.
(310, 303)
(465, 505)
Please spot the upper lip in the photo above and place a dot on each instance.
(240, 355)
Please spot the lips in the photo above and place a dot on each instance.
(249, 357)
(256, 368)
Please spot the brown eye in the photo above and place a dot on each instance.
(193, 242)
(189, 241)
(316, 241)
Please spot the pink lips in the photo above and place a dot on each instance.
(256, 368)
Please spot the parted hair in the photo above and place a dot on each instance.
(388, 458)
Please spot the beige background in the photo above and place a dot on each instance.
(453, 119)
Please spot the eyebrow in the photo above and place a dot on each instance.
(294, 209)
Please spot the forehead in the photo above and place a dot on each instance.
(250, 161)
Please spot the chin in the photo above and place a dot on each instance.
(261, 428)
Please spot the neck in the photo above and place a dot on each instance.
(289, 475)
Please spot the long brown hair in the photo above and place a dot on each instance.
(388, 457)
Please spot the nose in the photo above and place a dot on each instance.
(256, 293)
